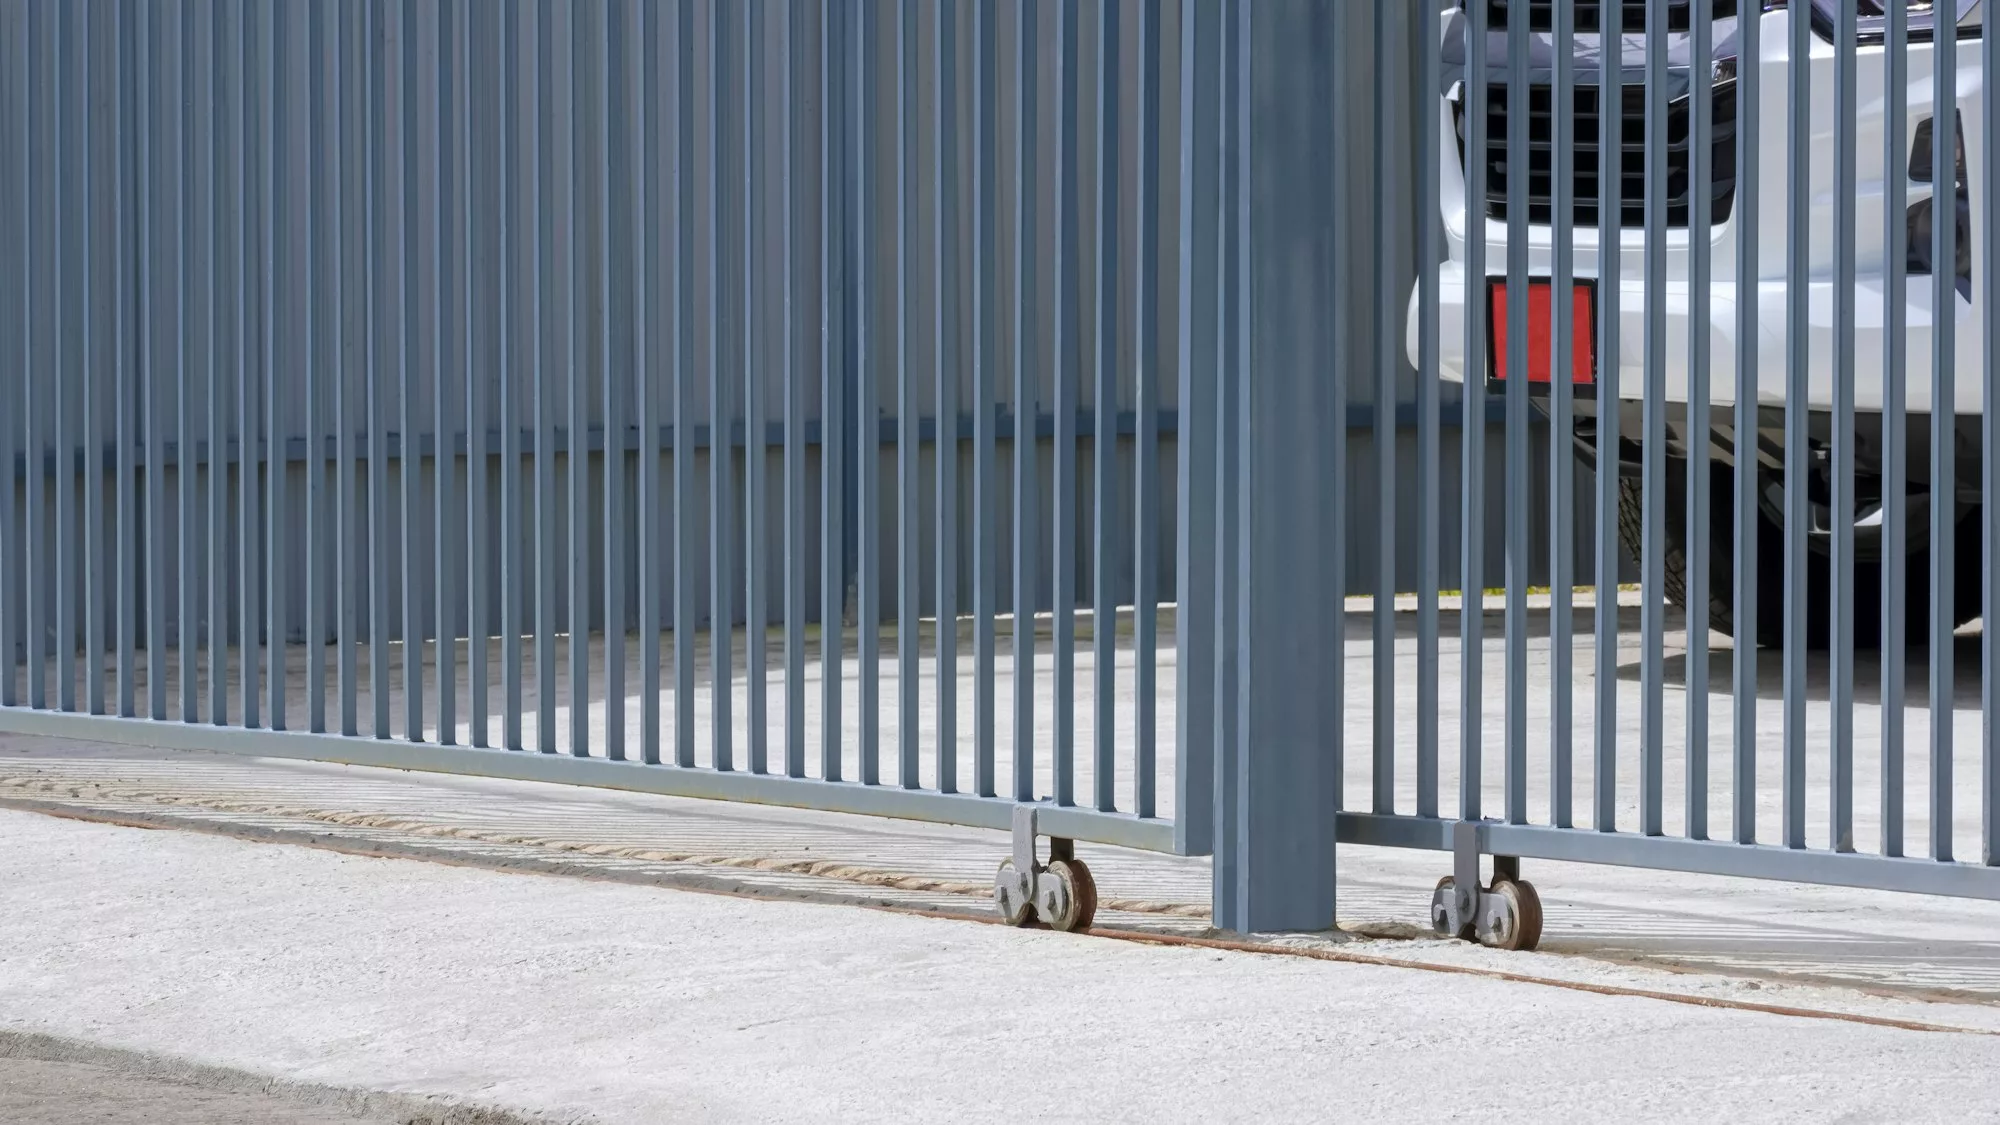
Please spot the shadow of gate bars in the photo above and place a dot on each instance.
(984, 412)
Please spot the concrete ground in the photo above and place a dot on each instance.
(586, 1000)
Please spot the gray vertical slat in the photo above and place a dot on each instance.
(833, 431)
(795, 419)
(1472, 455)
(1700, 502)
(1027, 483)
(1104, 439)
(756, 446)
(1989, 680)
(94, 557)
(944, 305)
(346, 535)
(74, 366)
(985, 404)
(570, 33)
(1515, 775)
(680, 49)
(1798, 263)
(250, 388)
(539, 65)
(617, 402)
(1747, 525)
(1195, 512)
(152, 368)
(319, 103)
(409, 341)
(1653, 442)
(1062, 361)
(60, 625)
(35, 229)
(477, 456)
(908, 575)
(642, 78)
(1944, 480)
(444, 452)
(868, 501)
(1846, 97)
(1430, 461)
(642, 200)
(721, 469)
(1231, 477)
(186, 454)
(129, 332)
(1610, 209)
(1386, 368)
(215, 562)
(1146, 462)
(1562, 421)
(22, 329)
(383, 246)
(513, 69)
(1895, 403)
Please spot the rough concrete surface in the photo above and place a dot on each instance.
(640, 1004)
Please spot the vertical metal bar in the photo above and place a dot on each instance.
(478, 466)
(985, 407)
(1104, 437)
(540, 355)
(1610, 225)
(1063, 362)
(721, 470)
(93, 561)
(1746, 468)
(373, 263)
(1430, 458)
(1700, 496)
(832, 382)
(128, 330)
(616, 400)
(36, 135)
(1195, 515)
(572, 155)
(1653, 443)
(17, 306)
(1895, 405)
(347, 535)
(1472, 456)
(1944, 429)
(1381, 333)
(187, 460)
(643, 79)
(409, 456)
(215, 562)
(1797, 451)
(1027, 482)
(756, 444)
(795, 422)
(909, 580)
(867, 514)
(944, 341)
(270, 452)
(518, 339)
(1146, 461)
(1519, 114)
(1562, 418)
(153, 369)
(318, 136)
(1989, 492)
(1846, 97)
(55, 82)
(680, 50)
(444, 442)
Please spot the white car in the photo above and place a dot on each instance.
(1728, 288)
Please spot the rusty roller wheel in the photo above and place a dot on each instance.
(1440, 907)
(1081, 897)
(1522, 929)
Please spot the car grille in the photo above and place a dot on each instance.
(1632, 14)
(1588, 160)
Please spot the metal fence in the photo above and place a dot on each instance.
(946, 409)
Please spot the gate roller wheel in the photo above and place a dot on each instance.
(1440, 907)
(1015, 908)
(1081, 898)
(1522, 927)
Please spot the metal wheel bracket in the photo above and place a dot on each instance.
(1029, 892)
(1461, 907)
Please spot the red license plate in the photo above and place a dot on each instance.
(1540, 298)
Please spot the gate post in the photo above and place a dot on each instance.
(1278, 715)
